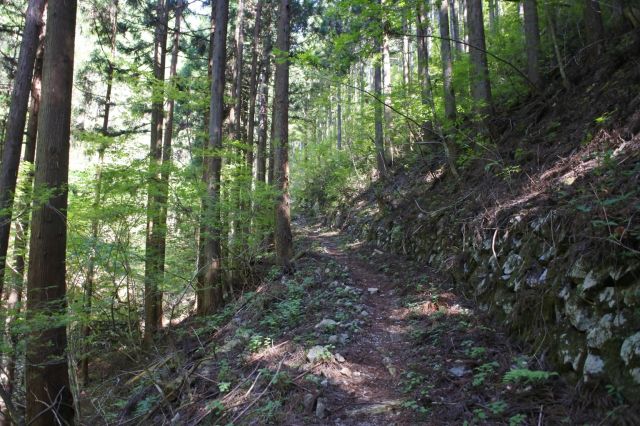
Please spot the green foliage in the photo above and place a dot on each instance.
(484, 371)
(523, 375)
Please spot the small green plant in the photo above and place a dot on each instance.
(411, 381)
(498, 407)
(517, 420)
(524, 375)
(224, 387)
(258, 343)
(483, 371)
(476, 351)
(415, 406)
(216, 407)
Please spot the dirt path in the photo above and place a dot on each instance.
(423, 355)
(370, 394)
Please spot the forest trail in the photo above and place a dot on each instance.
(369, 390)
(422, 354)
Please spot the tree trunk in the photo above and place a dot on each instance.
(532, 41)
(406, 55)
(263, 114)
(447, 64)
(480, 86)
(253, 87)
(201, 263)
(594, 28)
(386, 90)
(212, 292)
(47, 379)
(22, 225)
(155, 241)
(422, 27)
(377, 109)
(235, 114)
(339, 114)
(447, 82)
(493, 15)
(95, 223)
(455, 27)
(283, 237)
(16, 121)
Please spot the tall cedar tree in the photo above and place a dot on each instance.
(211, 293)
(480, 85)
(16, 122)
(283, 237)
(532, 41)
(156, 234)
(97, 197)
(48, 395)
(253, 86)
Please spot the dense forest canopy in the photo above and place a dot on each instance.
(154, 153)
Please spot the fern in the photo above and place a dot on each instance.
(527, 376)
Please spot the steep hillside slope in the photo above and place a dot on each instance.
(544, 231)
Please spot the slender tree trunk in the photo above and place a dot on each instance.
(155, 244)
(201, 294)
(594, 28)
(493, 15)
(22, 224)
(455, 27)
(447, 82)
(422, 27)
(532, 41)
(95, 223)
(339, 118)
(480, 86)
(406, 55)
(235, 114)
(48, 395)
(377, 110)
(16, 122)
(283, 237)
(212, 292)
(253, 87)
(263, 114)
(551, 21)
(270, 170)
(386, 90)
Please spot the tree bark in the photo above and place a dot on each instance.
(480, 85)
(283, 237)
(422, 28)
(22, 224)
(377, 110)
(16, 121)
(236, 111)
(263, 114)
(594, 28)
(202, 263)
(455, 27)
(155, 245)
(95, 222)
(47, 379)
(532, 41)
(253, 86)
(447, 64)
(212, 292)
(447, 82)
(386, 90)
(339, 118)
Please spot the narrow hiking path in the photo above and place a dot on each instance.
(422, 353)
(355, 337)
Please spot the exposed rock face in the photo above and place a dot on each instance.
(536, 277)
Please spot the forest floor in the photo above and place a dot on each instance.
(355, 337)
